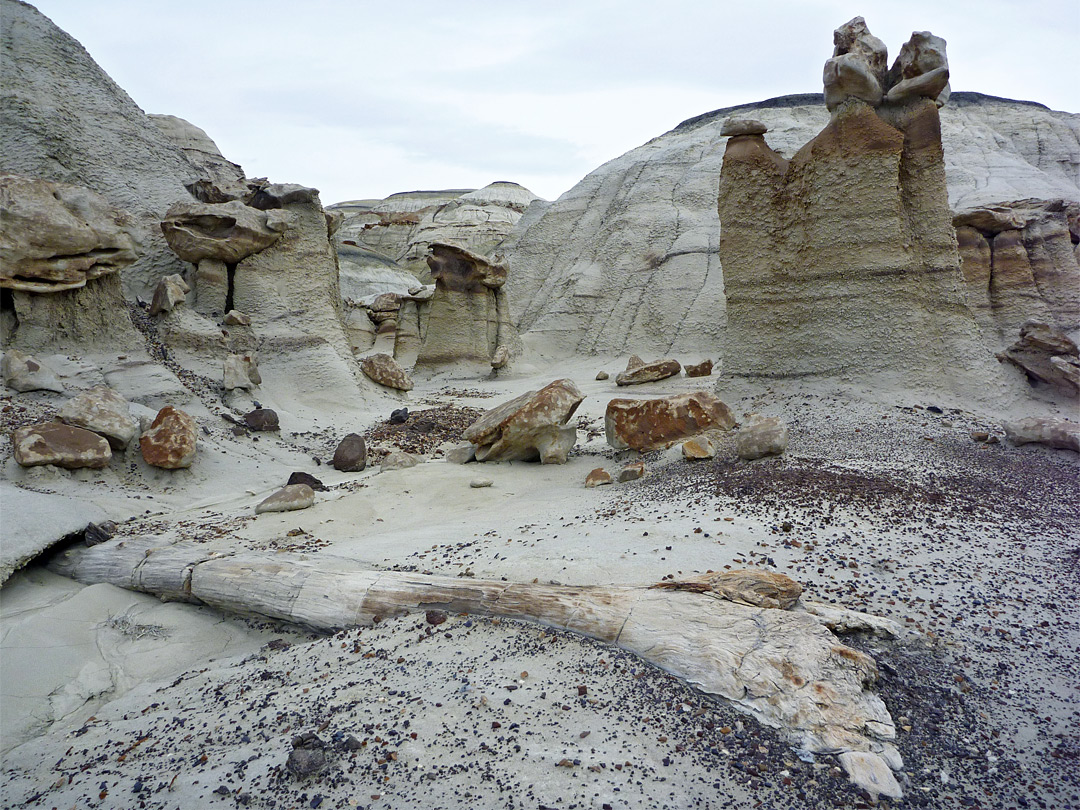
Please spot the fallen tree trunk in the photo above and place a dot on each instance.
(783, 666)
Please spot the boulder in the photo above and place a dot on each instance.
(351, 454)
(871, 773)
(235, 318)
(697, 448)
(653, 424)
(170, 443)
(383, 369)
(742, 126)
(702, 369)
(61, 445)
(228, 232)
(306, 478)
(262, 419)
(242, 371)
(460, 453)
(648, 372)
(399, 460)
(761, 436)
(57, 236)
(1046, 354)
(103, 411)
(1062, 434)
(921, 69)
(170, 291)
(529, 427)
(287, 499)
(500, 358)
(631, 472)
(858, 66)
(23, 372)
(598, 478)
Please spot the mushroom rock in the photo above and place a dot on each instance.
(921, 69)
(469, 316)
(61, 250)
(870, 282)
(529, 427)
(227, 232)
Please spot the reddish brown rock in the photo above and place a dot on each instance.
(632, 472)
(698, 448)
(649, 372)
(702, 369)
(653, 424)
(597, 478)
(59, 444)
(529, 427)
(170, 441)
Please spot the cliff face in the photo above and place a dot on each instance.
(628, 260)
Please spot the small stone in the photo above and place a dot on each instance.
(649, 372)
(743, 126)
(399, 460)
(262, 419)
(480, 483)
(435, 617)
(399, 416)
(23, 372)
(94, 534)
(288, 499)
(979, 435)
(306, 478)
(170, 291)
(307, 757)
(460, 453)
(351, 454)
(871, 773)
(761, 436)
(702, 369)
(242, 371)
(602, 375)
(170, 443)
(699, 447)
(632, 472)
(500, 358)
(60, 445)
(236, 318)
(597, 478)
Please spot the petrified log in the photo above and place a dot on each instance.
(784, 667)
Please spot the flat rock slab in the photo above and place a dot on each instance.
(102, 411)
(529, 427)
(59, 444)
(654, 424)
(287, 499)
(34, 521)
(1062, 434)
(649, 372)
(23, 372)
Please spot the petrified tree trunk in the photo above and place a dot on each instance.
(783, 666)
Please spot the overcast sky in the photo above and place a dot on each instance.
(361, 99)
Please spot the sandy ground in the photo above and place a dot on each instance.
(113, 699)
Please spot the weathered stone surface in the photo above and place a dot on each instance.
(602, 375)
(242, 371)
(220, 180)
(170, 291)
(529, 427)
(631, 472)
(61, 445)
(399, 460)
(699, 447)
(104, 412)
(266, 196)
(653, 424)
(262, 419)
(23, 372)
(287, 499)
(351, 454)
(460, 453)
(702, 369)
(761, 436)
(598, 478)
(921, 69)
(871, 773)
(383, 369)
(1046, 354)
(56, 236)
(228, 232)
(480, 483)
(648, 372)
(743, 126)
(501, 358)
(762, 589)
(858, 66)
(170, 443)
(235, 318)
(1063, 434)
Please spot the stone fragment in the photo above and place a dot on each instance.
(351, 454)
(170, 443)
(529, 427)
(1063, 434)
(399, 416)
(653, 424)
(761, 436)
(858, 66)
(702, 369)
(170, 291)
(262, 419)
(61, 445)
(480, 483)
(242, 371)
(632, 472)
(597, 478)
(306, 478)
(287, 499)
(23, 372)
(979, 435)
(1046, 354)
(500, 358)
(602, 375)
(743, 126)
(236, 318)
(103, 411)
(383, 369)
(871, 773)
(921, 69)
(460, 453)
(762, 589)
(649, 372)
(699, 447)
(399, 460)
(307, 757)
(228, 232)
(57, 236)
(634, 362)
(95, 534)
